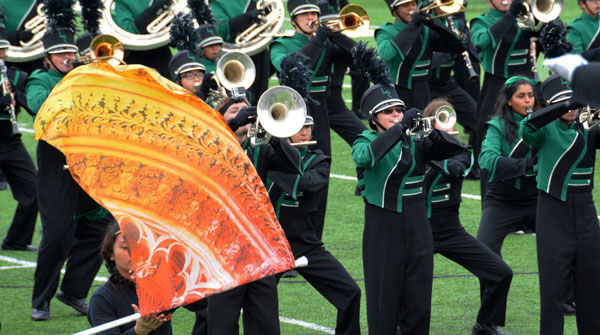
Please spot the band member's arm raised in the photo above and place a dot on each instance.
(313, 49)
(484, 37)
(390, 47)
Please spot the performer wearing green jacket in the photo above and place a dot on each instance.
(584, 31)
(397, 241)
(568, 233)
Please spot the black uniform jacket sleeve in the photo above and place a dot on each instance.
(453, 166)
(440, 145)
(310, 181)
(283, 157)
(19, 88)
(586, 81)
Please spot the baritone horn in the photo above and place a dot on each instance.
(352, 19)
(280, 112)
(444, 118)
(539, 12)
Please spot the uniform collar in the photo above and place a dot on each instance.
(55, 74)
(399, 24)
(494, 13)
(588, 17)
(300, 37)
(517, 117)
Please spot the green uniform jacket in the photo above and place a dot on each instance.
(504, 47)
(284, 46)
(39, 86)
(211, 66)
(566, 156)
(506, 163)
(392, 174)
(126, 11)
(584, 33)
(223, 10)
(18, 12)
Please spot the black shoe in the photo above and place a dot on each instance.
(483, 329)
(290, 274)
(42, 313)
(569, 308)
(18, 247)
(78, 304)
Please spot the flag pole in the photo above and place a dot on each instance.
(109, 325)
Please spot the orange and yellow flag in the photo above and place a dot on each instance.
(189, 201)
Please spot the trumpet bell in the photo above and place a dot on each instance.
(281, 111)
(235, 69)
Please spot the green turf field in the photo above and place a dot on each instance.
(455, 291)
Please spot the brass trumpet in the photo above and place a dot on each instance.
(445, 118)
(353, 20)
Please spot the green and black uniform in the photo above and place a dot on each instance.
(231, 22)
(297, 211)
(258, 298)
(584, 33)
(73, 225)
(504, 52)
(134, 16)
(443, 185)
(397, 241)
(408, 48)
(568, 234)
(17, 14)
(510, 200)
(17, 166)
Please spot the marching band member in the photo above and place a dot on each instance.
(210, 42)
(443, 184)
(296, 213)
(17, 14)
(117, 298)
(583, 30)
(258, 298)
(15, 161)
(185, 68)
(134, 16)
(407, 46)
(72, 222)
(233, 17)
(397, 241)
(568, 233)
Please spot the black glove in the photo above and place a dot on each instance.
(418, 18)
(323, 33)
(208, 83)
(516, 7)
(409, 116)
(245, 116)
(5, 102)
(255, 14)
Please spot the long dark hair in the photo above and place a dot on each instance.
(108, 245)
(511, 128)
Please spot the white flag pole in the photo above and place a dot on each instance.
(109, 325)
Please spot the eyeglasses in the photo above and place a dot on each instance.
(198, 75)
(391, 110)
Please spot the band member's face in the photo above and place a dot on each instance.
(501, 5)
(192, 80)
(122, 256)
(58, 61)
(406, 11)
(522, 99)
(389, 117)
(590, 7)
(3, 53)
(305, 21)
(211, 52)
(303, 135)
(231, 112)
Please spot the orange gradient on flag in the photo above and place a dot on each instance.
(187, 198)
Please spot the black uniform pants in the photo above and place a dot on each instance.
(260, 304)
(452, 241)
(499, 221)
(398, 268)
(343, 121)
(20, 174)
(321, 134)
(461, 76)
(63, 238)
(262, 62)
(417, 97)
(465, 106)
(568, 248)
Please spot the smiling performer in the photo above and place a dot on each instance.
(568, 234)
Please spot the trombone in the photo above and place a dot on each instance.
(446, 7)
(103, 47)
(280, 112)
(353, 20)
(444, 118)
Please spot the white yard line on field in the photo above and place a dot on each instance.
(308, 325)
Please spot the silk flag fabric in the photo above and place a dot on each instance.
(189, 201)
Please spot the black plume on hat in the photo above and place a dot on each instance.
(367, 62)
(60, 14)
(553, 39)
(183, 34)
(295, 74)
(91, 12)
(201, 12)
